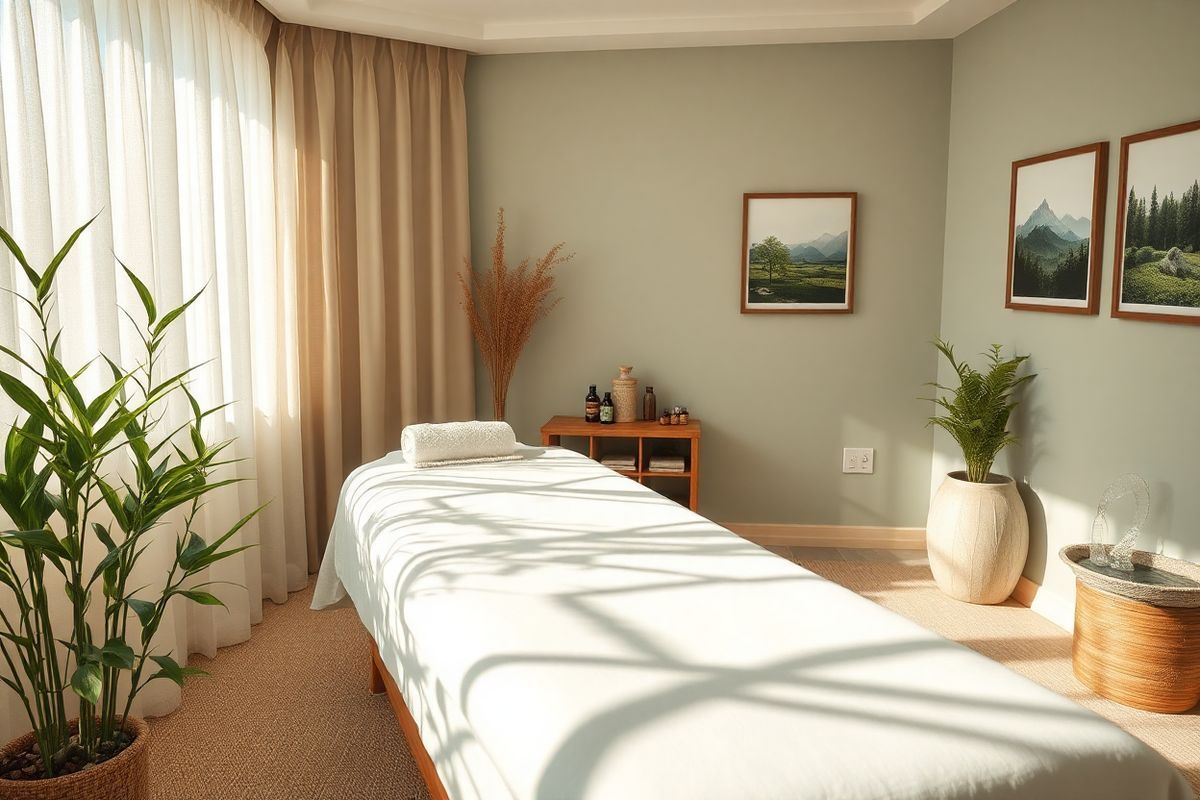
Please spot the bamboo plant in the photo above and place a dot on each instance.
(80, 528)
(977, 412)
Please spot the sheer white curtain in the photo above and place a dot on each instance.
(158, 115)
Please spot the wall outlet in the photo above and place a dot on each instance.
(858, 460)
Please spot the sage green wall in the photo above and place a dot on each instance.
(638, 160)
(1111, 396)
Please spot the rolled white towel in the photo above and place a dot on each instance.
(440, 444)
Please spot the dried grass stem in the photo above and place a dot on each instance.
(503, 304)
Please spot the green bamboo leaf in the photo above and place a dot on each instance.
(208, 559)
(105, 536)
(144, 293)
(42, 541)
(113, 501)
(45, 283)
(143, 608)
(20, 448)
(170, 669)
(11, 244)
(203, 598)
(192, 551)
(174, 313)
(87, 681)
(99, 405)
(15, 356)
(26, 398)
(116, 654)
(21, 641)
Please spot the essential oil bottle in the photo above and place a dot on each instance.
(591, 405)
(608, 414)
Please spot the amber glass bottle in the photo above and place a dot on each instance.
(649, 405)
(591, 405)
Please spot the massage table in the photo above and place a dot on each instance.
(547, 629)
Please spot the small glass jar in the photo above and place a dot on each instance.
(664, 419)
(683, 416)
(675, 416)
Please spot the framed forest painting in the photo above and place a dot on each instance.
(798, 252)
(1156, 272)
(1056, 213)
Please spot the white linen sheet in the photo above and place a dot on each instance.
(562, 633)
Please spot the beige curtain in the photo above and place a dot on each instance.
(158, 115)
(373, 208)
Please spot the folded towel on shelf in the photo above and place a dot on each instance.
(667, 464)
(445, 444)
(619, 462)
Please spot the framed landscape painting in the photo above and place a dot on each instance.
(1056, 213)
(1156, 272)
(798, 252)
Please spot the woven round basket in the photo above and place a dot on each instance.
(1162, 596)
(125, 777)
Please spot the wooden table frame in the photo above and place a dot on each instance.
(558, 427)
(380, 681)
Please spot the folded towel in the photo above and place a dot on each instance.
(435, 445)
(625, 463)
(667, 464)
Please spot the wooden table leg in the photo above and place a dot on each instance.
(694, 481)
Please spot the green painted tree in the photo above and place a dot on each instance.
(1154, 222)
(774, 254)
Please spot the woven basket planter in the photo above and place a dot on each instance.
(124, 777)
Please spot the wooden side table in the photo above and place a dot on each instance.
(649, 435)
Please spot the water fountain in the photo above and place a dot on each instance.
(1137, 614)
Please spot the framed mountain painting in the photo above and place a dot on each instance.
(1156, 274)
(798, 252)
(1056, 230)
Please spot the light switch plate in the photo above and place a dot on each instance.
(858, 460)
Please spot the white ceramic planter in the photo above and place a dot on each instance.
(977, 537)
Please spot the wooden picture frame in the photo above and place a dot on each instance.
(1048, 269)
(1179, 164)
(817, 258)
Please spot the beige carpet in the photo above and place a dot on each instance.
(287, 715)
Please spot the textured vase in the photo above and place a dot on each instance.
(624, 396)
(977, 537)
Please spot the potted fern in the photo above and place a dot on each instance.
(978, 532)
(88, 484)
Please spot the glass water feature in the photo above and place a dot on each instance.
(1117, 561)
(1119, 558)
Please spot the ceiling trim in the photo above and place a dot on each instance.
(926, 19)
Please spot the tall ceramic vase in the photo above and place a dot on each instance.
(977, 537)
(624, 396)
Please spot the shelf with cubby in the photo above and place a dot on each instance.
(650, 438)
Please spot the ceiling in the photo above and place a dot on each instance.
(533, 26)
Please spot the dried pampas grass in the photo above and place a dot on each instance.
(503, 304)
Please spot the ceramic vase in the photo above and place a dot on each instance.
(624, 396)
(978, 538)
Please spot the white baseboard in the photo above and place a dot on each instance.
(848, 536)
(1058, 610)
